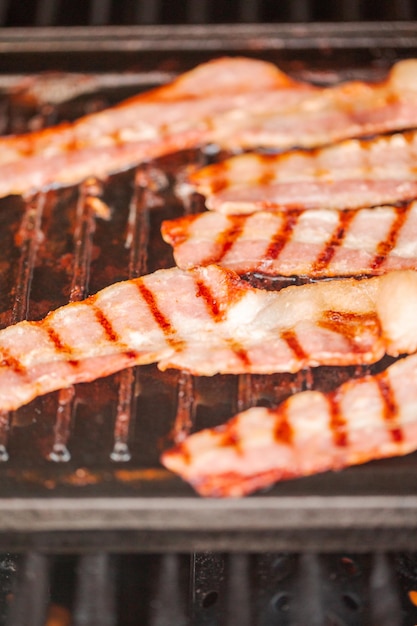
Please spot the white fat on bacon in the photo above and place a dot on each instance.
(364, 419)
(318, 243)
(208, 321)
(233, 102)
(352, 174)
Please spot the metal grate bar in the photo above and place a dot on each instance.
(244, 392)
(29, 236)
(138, 227)
(83, 239)
(249, 11)
(100, 12)
(4, 8)
(404, 9)
(60, 452)
(350, 10)
(147, 11)
(167, 604)
(238, 592)
(384, 599)
(95, 592)
(300, 11)
(125, 411)
(207, 587)
(185, 413)
(309, 587)
(46, 12)
(198, 12)
(30, 603)
(137, 241)
(83, 242)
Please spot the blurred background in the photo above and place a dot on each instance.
(16, 13)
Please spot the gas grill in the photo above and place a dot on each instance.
(93, 531)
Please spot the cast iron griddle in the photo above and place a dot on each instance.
(86, 459)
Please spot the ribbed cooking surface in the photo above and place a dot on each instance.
(207, 589)
(94, 12)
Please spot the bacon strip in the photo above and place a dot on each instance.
(235, 102)
(323, 116)
(208, 321)
(317, 243)
(167, 119)
(350, 175)
(364, 419)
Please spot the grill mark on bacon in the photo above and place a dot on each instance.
(204, 292)
(290, 337)
(105, 323)
(162, 321)
(283, 432)
(280, 239)
(337, 422)
(390, 411)
(227, 239)
(386, 246)
(336, 241)
(240, 352)
(10, 361)
(60, 345)
(346, 324)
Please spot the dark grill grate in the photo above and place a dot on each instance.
(270, 589)
(96, 12)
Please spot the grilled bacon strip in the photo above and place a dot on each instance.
(326, 115)
(353, 174)
(207, 321)
(364, 419)
(235, 102)
(317, 243)
(170, 118)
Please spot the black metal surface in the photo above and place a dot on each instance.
(268, 589)
(384, 598)
(87, 459)
(56, 12)
(31, 591)
(95, 601)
